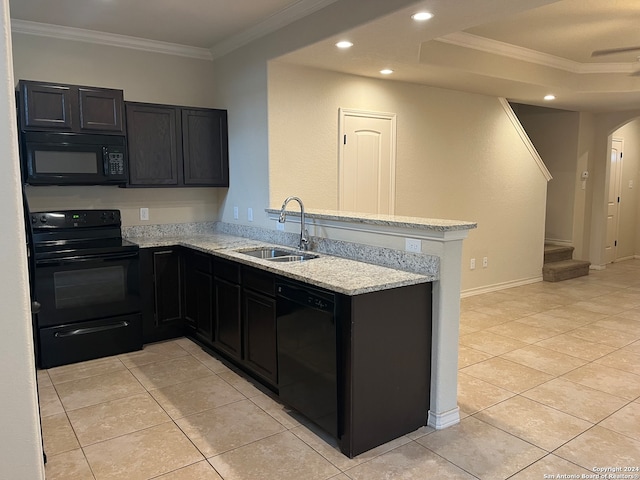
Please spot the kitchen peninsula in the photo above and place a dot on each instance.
(440, 255)
(404, 304)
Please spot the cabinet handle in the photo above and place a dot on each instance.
(84, 331)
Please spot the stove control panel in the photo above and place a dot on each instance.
(75, 219)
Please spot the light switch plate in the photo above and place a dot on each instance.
(250, 214)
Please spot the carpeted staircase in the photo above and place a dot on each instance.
(559, 265)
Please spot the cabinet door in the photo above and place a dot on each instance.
(260, 352)
(101, 110)
(153, 144)
(167, 278)
(204, 147)
(227, 307)
(46, 106)
(199, 296)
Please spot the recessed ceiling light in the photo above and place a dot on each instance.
(548, 98)
(386, 71)
(422, 16)
(344, 44)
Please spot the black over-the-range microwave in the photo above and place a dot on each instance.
(57, 158)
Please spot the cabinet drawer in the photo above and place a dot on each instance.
(228, 271)
(259, 281)
(201, 262)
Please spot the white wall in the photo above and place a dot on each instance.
(144, 77)
(20, 441)
(240, 83)
(627, 236)
(584, 189)
(573, 142)
(458, 156)
(555, 135)
(604, 125)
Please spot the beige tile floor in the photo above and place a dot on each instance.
(549, 384)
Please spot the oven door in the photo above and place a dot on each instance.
(79, 288)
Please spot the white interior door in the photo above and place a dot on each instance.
(367, 162)
(613, 201)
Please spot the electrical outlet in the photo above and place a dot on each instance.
(279, 226)
(485, 262)
(412, 245)
(250, 214)
(472, 264)
(144, 214)
(235, 213)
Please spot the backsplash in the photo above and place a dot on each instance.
(169, 229)
(386, 257)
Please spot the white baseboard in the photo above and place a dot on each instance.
(597, 267)
(443, 420)
(499, 286)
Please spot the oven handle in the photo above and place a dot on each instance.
(84, 331)
(86, 258)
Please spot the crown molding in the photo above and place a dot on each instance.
(276, 21)
(101, 38)
(475, 42)
(284, 17)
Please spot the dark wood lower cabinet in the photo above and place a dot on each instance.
(383, 338)
(259, 324)
(161, 292)
(198, 295)
(384, 368)
(227, 305)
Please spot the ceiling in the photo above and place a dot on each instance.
(541, 47)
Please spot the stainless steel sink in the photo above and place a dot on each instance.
(278, 255)
(293, 258)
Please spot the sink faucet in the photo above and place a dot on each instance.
(304, 235)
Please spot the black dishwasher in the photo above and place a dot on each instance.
(306, 332)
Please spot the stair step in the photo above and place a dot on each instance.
(564, 270)
(557, 253)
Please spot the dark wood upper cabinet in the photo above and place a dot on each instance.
(70, 108)
(204, 147)
(152, 137)
(101, 110)
(177, 146)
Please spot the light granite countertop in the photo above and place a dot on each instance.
(399, 221)
(341, 275)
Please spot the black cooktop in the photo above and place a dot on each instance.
(73, 233)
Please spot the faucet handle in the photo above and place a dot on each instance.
(304, 239)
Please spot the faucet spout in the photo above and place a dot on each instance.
(304, 236)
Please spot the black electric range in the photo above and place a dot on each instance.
(86, 279)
